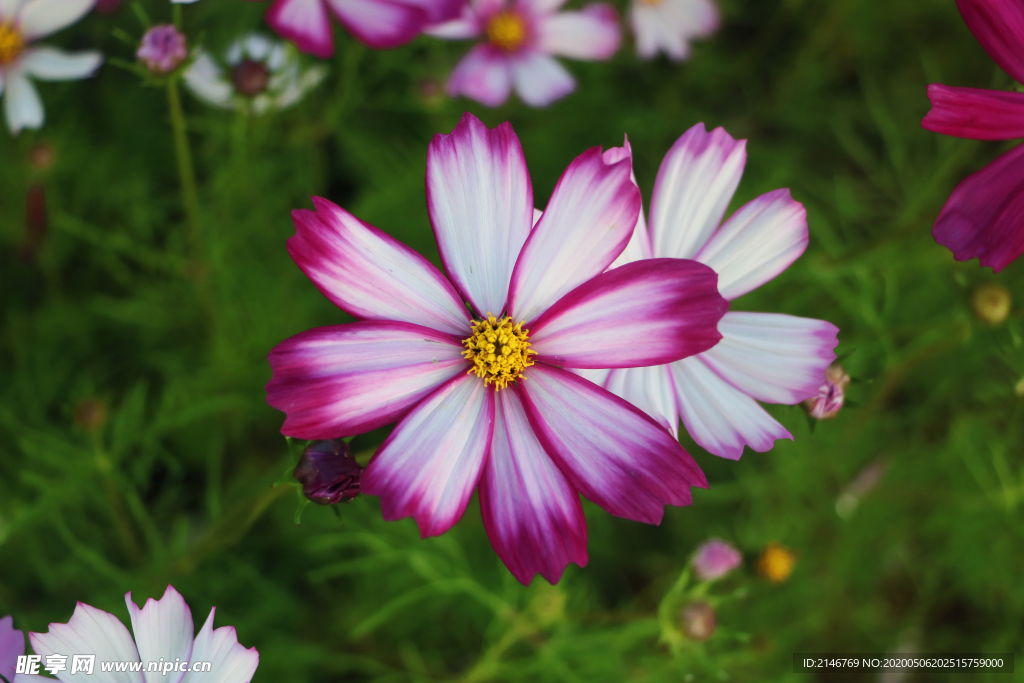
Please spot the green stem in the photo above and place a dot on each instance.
(189, 194)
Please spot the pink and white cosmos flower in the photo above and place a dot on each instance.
(488, 403)
(521, 38)
(12, 646)
(762, 356)
(669, 25)
(380, 24)
(163, 630)
(982, 218)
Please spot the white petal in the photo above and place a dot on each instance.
(39, 18)
(651, 390)
(163, 630)
(51, 64)
(592, 33)
(230, 662)
(9, 10)
(598, 377)
(203, 77)
(22, 105)
(90, 631)
(540, 80)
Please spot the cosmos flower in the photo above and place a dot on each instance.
(714, 559)
(520, 39)
(163, 631)
(482, 398)
(669, 25)
(264, 75)
(12, 646)
(831, 394)
(982, 218)
(162, 49)
(22, 22)
(762, 356)
(380, 24)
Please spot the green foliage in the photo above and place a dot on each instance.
(177, 484)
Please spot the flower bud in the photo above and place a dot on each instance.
(714, 559)
(250, 78)
(328, 472)
(91, 414)
(697, 620)
(41, 157)
(831, 394)
(107, 6)
(776, 563)
(991, 303)
(163, 49)
(36, 222)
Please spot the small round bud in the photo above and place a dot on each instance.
(697, 621)
(163, 49)
(91, 414)
(714, 559)
(107, 6)
(250, 78)
(41, 156)
(831, 394)
(991, 303)
(776, 563)
(328, 472)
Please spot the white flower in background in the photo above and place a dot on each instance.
(669, 25)
(22, 22)
(261, 73)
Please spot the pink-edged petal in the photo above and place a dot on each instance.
(695, 183)
(772, 357)
(163, 630)
(651, 390)
(639, 245)
(481, 203)
(230, 662)
(38, 18)
(90, 631)
(612, 453)
(643, 313)
(596, 375)
(437, 11)
(348, 379)
(30, 678)
(483, 75)
(370, 274)
(379, 24)
(305, 23)
(999, 27)
(984, 216)
(974, 113)
(431, 463)
(532, 515)
(12, 646)
(591, 34)
(462, 28)
(585, 226)
(758, 242)
(719, 417)
(539, 79)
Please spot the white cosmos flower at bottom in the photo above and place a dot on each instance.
(163, 630)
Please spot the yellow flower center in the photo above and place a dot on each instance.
(11, 43)
(506, 30)
(498, 351)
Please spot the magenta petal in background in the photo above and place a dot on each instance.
(984, 216)
(305, 23)
(379, 24)
(975, 113)
(999, 27)
(12, 646)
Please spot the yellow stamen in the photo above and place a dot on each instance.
(498, 351)
(11, 43)
(507, 31)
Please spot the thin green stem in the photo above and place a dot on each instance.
(189, 194)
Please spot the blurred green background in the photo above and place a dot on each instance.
(109, 308)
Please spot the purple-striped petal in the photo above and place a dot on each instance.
(532, 515)
(974, 113)
(999, 27)
(348, 379)
(90, 631)
(230, 662)
(719, 417)
(481, 206)
(651, 390)
(984, 216)
(611, 452)
(772, 357)
(758, 242)
(370, 274)
(643, 313)
(695, 183)
(585, 226)
(591, 34)
(12, 646)
(163, 630)
(431, 463)
(539, 79)
(483, 75)
(379, 24)
(305, 23)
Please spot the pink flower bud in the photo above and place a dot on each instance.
(715, 558)
(163, 49)
(829, 400)
(328, 472)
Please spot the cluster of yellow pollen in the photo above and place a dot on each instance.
(498, 350)
(506, 30)
(11, 43)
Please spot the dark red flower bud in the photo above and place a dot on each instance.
(250, 78)
(107, 6)
(90, 414)
(328, 472)
(36, 222)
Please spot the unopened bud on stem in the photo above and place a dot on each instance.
(328, 472)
